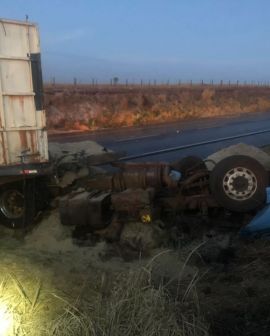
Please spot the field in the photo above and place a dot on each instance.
(86, 107)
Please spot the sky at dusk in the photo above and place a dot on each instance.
(150, 39)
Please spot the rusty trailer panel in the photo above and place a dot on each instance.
(23, 137)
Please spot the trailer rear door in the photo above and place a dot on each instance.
(23, 137)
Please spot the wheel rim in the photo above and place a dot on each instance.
(240, 184)
(12, 204)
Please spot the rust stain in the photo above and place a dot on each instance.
(21, 99)
(21, 102)
(3, 148)
(23, 139)
(33, 142)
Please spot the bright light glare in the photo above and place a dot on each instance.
(6, 320)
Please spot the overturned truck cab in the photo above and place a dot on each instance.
(190, 187)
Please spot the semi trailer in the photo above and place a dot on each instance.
(24, 158)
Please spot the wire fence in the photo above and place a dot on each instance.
(118, 83)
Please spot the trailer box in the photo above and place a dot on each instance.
(24, 162)
(23, 136)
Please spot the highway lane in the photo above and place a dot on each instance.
(139, 140)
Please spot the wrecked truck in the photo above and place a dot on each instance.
(148, 192)
(142, 191)
(28, 172)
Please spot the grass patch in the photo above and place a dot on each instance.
(126, 304)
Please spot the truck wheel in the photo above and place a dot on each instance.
(17, 204)
(238, 183)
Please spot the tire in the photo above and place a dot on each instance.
(24, 195)
(238, 183)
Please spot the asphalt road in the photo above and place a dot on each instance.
(138, 140)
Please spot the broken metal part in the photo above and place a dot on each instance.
(135, 175)
(140, 175)
(86, 209)
(139, 192)
(190, 192)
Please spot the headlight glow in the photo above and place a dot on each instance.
(6, 320)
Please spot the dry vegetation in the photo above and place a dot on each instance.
(63, 290)
(132, 307)
(125, 305)
(49, 286)
(85, 108)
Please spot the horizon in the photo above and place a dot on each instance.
(150, 40)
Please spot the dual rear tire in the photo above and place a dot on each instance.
(18, 204)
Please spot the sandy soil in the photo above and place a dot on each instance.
(87, 148)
